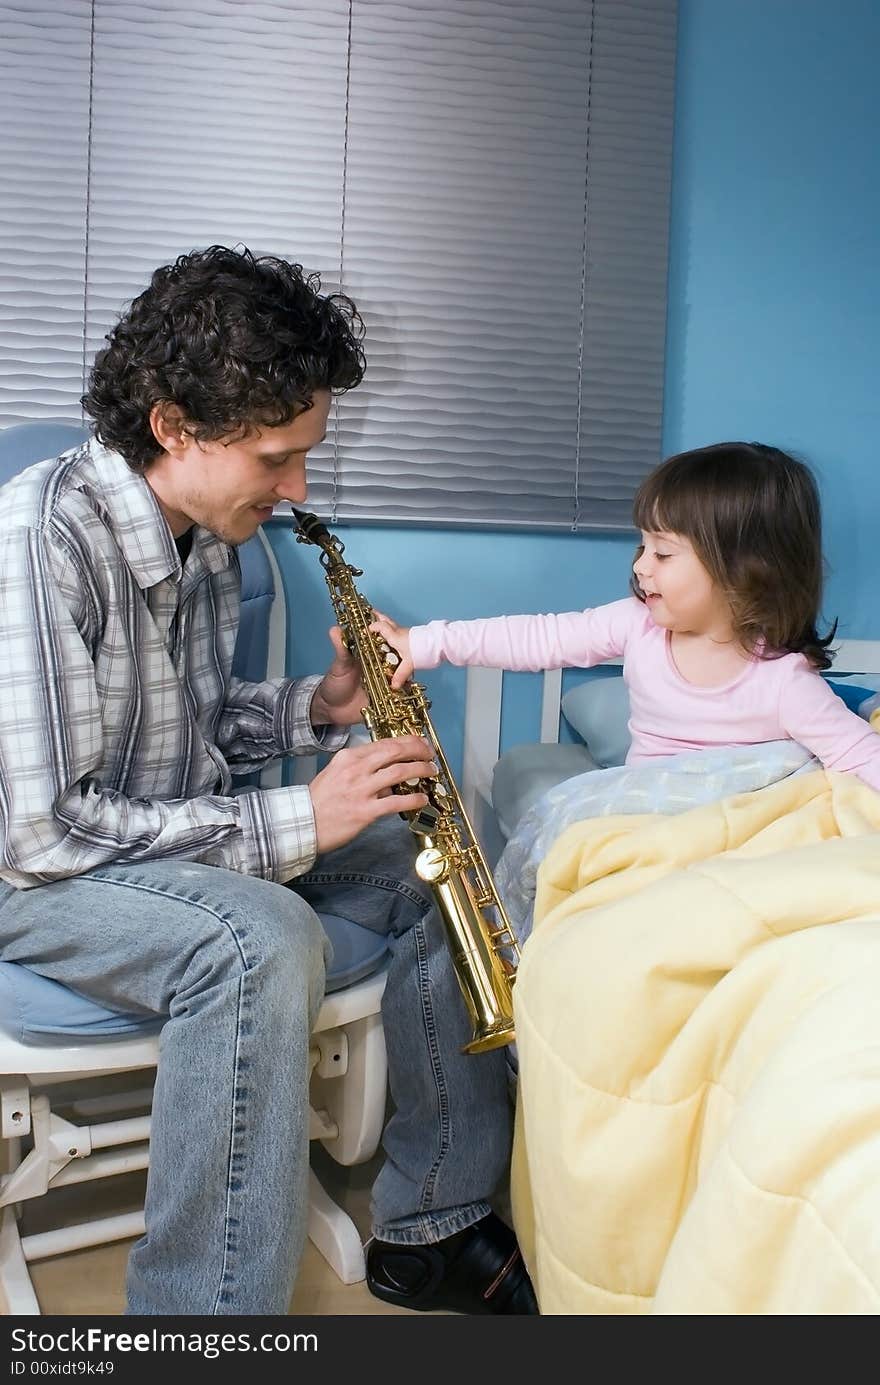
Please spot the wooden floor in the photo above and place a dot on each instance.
(92, 1282)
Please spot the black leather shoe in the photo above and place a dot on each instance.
(478, 1270)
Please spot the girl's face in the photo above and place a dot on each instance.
(678, 590)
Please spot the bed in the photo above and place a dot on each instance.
(698, 1112)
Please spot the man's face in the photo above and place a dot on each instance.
(230, 487)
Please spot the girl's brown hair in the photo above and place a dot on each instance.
(753, 516)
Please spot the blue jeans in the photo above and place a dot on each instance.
(237, 966)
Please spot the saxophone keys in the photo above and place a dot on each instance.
(432, 866)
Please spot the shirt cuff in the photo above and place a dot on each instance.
(279, 832)
(296, 734)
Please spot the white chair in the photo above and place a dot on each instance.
(52, 1041)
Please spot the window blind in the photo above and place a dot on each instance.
(488, 179)
(44, 117)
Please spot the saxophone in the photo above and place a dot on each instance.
(485, 952)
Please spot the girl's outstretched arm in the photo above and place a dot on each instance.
(572, 639)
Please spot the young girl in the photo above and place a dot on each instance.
(719, 639)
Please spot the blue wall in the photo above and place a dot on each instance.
(774, 296)
(774, 301)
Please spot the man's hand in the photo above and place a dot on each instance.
(355, 788)
(340, 695)
(398, 637)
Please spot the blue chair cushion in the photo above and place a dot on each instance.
(22, 444)
(257, 594)
(34, 1009)
(357, 952)
(37, 1010)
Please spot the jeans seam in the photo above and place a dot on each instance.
(430, 1183)
(226, 1285)
(226, 1280)
(381, 882)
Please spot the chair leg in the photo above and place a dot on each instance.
(17, 1297)
(334, 1234)
(354, 1099)
(62, 1153)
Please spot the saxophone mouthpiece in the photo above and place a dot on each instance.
(310, 527)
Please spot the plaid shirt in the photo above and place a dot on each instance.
(119, 717)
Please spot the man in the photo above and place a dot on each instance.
(133, 875)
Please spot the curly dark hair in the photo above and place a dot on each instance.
(753, 516)
(233, 339)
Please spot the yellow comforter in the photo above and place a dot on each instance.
(698, 1027)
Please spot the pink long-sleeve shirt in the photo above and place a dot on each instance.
(771, 699)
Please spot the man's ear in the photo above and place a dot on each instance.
(168, 423)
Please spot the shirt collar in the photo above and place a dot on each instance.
(141, 530)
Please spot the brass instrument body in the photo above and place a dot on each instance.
(484, 949)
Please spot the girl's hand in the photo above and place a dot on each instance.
(397, 636)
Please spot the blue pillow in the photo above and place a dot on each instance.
(598, 712)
